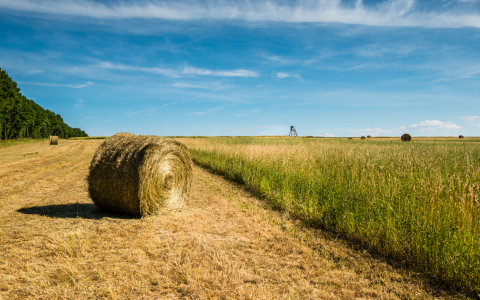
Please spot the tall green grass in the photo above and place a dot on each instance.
(415, 202)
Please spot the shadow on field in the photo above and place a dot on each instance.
(73, 210)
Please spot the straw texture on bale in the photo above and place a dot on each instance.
(362, 137)
(406, 137)
(460, 136)
(369, 136)
(140, 174)
(53, 140)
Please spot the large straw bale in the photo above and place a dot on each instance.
(140, 174)
(406, 138)
(53, 140)
(461, 137)
(362, 137)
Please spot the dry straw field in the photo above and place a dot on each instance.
(228, 244)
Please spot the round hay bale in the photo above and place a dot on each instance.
(362, 137)
(53, 140)
(140, 174)
(350, 138)
(461, 137)
(369, 136)
(406, 137)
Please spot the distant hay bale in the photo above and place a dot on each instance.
(369, 136)
(140, 174)
(350, 138)
(461, 137)
(53, 140)
(362, 137)
(406, 137)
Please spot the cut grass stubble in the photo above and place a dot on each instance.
(414, 202)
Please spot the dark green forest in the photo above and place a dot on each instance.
(23, 118)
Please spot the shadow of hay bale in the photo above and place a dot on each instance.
(73, 210)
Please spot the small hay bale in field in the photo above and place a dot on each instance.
(362, 137)
(369, 136)
(53, 140)
(350, 138)
(406, 137)
(140, 174)
(461, 137)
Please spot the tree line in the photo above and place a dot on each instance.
(23, 118)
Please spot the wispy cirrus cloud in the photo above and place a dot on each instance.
(225, 73)
(206, 112)
(384, 13)
(86, 118)
(73, 86)
(135, 113)
(283, 75)
(160, 71)
(191, 86)
(431, 125)
(470, 118)
(181, 72)
(79, 103)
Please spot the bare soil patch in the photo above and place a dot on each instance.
(55, 244)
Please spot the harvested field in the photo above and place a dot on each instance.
(227, 244)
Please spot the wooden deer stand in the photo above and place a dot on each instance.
(292, 132)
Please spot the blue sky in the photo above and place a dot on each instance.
(330, 68)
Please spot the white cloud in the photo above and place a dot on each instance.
(432, 125)
(372, 131)
(379, 50)
(385, 13)
(79, 103)
(160, 71)
(469, 118)
(73, 86)
(226, 73)
(190, 86)
(282, 75)
(329, 135)
(179, 73)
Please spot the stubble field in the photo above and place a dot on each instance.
(55, 244)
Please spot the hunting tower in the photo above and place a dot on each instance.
(292, 132)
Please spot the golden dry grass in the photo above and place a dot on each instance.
(226, 245)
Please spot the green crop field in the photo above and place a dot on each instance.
(416, 203)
